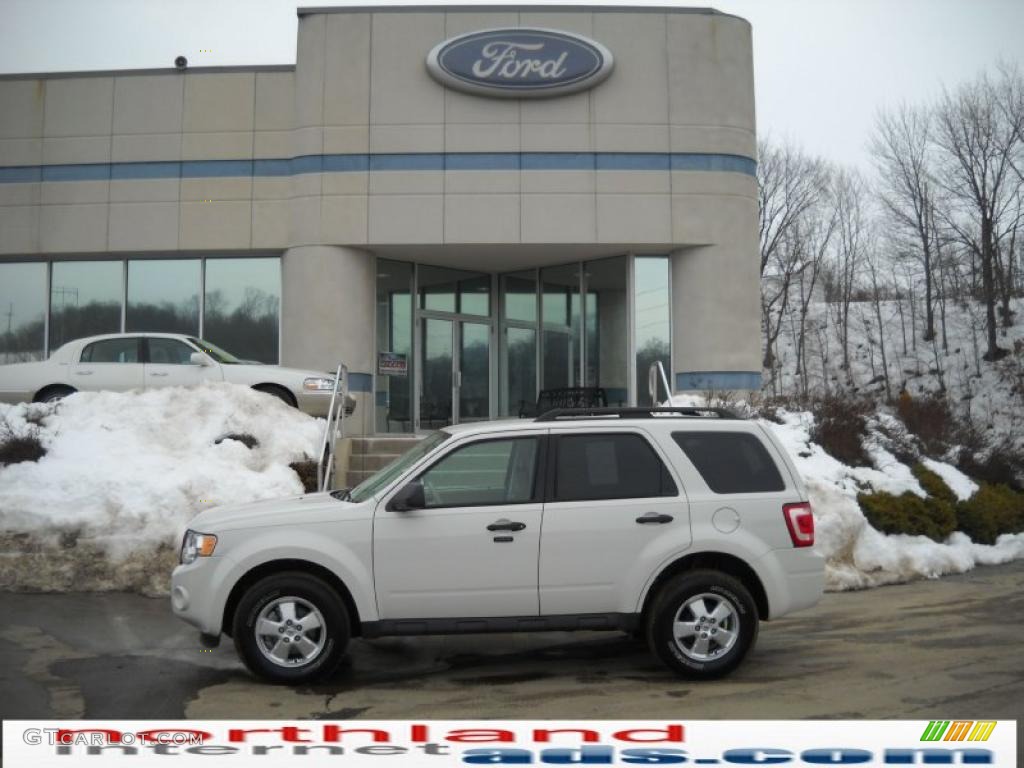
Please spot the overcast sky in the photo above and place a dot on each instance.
(822, 67)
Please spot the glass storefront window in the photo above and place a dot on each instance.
(519, 294)
(652, 321)
(394, 347)
(85, 299)
(521, 370)
(242, 306)
(163, 296)
(454, 290)
(560, 307)
(607, 326)
(22, 312)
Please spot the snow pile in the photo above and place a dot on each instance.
(124, 472)
(859, 556)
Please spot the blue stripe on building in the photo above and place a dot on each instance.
(422, 161)
(718, 380)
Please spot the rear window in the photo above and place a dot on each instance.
(731, 462)
(609, 466)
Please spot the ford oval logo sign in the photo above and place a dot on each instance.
(520, 62)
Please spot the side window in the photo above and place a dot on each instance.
(168, 351)
(485, 472)
(609, 466)
(731, 462)
(112, 351)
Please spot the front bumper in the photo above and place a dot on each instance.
(319, 403)
(197, 596)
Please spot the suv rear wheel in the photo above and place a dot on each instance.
(702, 624)
(291, 628)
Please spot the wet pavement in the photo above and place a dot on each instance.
(935, 649)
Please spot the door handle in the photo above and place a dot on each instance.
(154, 373)
(505, 525)
(83, 373)
(654, 517)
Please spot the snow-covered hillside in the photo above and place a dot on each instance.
(990, 394)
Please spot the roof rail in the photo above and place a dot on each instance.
(689, 412)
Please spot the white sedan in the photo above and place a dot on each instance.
(126, 361)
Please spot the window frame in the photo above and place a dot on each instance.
(781, 471)
(140, 351)
(539, 465)
(674, 492)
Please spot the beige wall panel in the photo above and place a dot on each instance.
(558, 219)
(220, 224)
(79, 106)
(57, 192)
(271, 220)
(481, 219)
(64, 228)
(143, 226)
(79, 149)
(20, 151)
(146, 146)
(275, 101)
(219, 102)
(217, 146)
(401, 90)
(637, 89)
(22, 113)
(634, 219)
(145, 190)
(406, 219)
(343, 219)
(19, 229)
(347, 70)
(148, 103)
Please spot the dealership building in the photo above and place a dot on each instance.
(466, 206)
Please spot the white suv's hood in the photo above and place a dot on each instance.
(293, 510)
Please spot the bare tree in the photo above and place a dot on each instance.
(979, 143)
(848, 194)
(902, 152)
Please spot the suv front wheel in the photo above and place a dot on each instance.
(702, 624)
(291, 628)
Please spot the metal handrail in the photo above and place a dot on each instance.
(652, 382)
(333, 429)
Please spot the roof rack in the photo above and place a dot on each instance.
(689, 412)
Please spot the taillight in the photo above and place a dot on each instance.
(800, 522)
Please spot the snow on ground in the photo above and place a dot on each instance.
(124, 472)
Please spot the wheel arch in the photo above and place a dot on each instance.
(715, 561)
(271, 567)
(270, 387)
(40, 395)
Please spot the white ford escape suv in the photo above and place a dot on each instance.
(687, 525)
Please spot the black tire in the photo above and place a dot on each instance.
(280, 393)
(54, 393)
(305, 590)
(685, 657)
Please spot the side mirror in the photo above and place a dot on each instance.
(198, 358)
(409, 498)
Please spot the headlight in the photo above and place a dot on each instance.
(318, 384)
(196, 545)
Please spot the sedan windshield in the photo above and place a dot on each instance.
(375, 483)
(218, 354)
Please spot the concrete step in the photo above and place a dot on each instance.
(354, 477)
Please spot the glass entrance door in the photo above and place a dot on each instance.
(455, 365)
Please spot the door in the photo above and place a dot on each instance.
(110, 364)
(168, 363)
(613, 513)
(472, 551)
(455, 363)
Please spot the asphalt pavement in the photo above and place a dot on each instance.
(943, 649)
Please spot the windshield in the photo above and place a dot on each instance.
(375, 483)
(215, 352)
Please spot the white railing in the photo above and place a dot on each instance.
(334, 429)
(654, 373)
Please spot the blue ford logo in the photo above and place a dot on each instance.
(520, 62)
